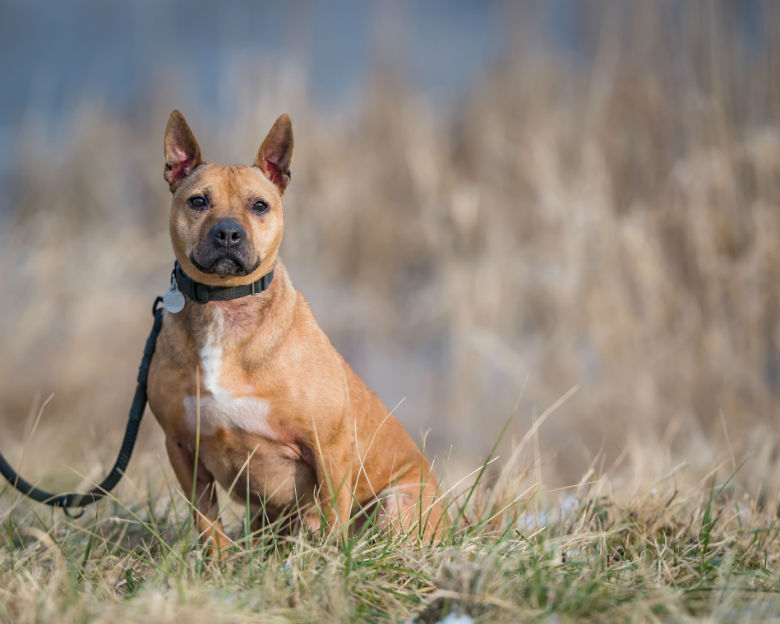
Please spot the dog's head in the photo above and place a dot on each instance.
(226, 221)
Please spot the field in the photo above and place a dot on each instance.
(665, 555)
(587, 252)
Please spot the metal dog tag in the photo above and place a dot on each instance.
(173, 300)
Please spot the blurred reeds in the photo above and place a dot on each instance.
(610, 221)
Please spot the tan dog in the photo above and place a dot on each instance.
(282, 418)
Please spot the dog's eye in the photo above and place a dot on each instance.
(260, 206)
(197, 202)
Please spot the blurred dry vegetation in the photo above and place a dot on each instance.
(610, 223)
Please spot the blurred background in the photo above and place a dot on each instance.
(493, 203)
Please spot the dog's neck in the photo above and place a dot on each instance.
(262, 318)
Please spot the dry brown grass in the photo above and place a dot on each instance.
(705, 552)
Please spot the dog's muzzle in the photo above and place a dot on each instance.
(225, 250)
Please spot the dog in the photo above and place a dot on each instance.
(249, 391)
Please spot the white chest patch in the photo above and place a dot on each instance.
(220, 409)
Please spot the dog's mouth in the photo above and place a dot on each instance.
(224, 262)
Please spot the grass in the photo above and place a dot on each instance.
(707, 553)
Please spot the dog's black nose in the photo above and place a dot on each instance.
(227, 233)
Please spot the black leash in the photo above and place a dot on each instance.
(73, 499)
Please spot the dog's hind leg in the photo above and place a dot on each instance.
(410, 503)
(201, 486)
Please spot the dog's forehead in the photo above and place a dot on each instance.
(230, 181)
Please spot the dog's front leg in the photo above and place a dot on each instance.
(205, 495)
(333, 468)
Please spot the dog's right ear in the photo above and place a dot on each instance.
(182, 153)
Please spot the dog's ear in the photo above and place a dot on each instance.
(275, 154)
(182, 153)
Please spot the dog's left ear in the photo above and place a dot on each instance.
(275, 154)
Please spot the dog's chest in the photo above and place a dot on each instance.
(222, 406)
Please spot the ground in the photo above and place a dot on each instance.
(703, 553)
